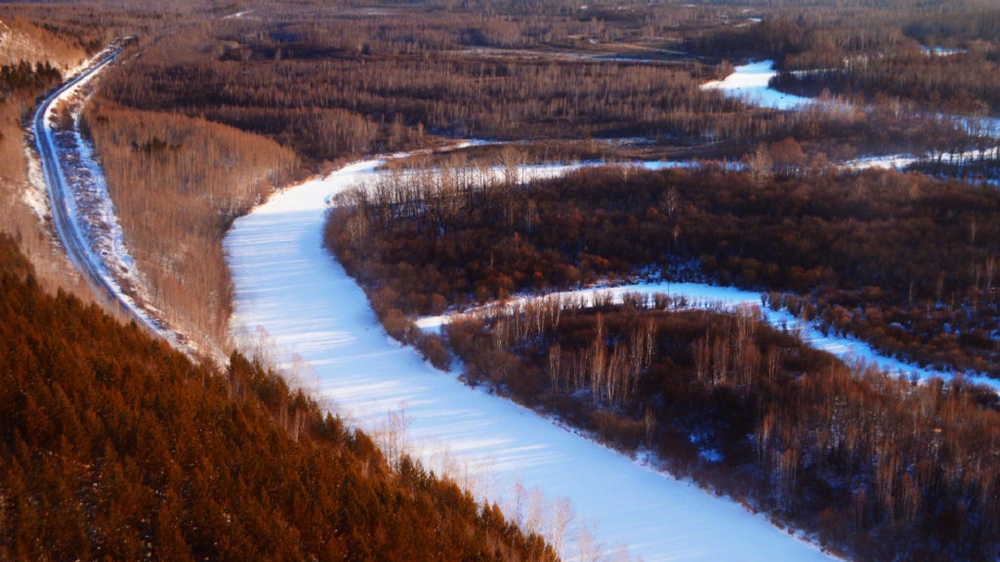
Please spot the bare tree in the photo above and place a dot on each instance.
(562, 516)
(391, 434)
(759, 165)
(588, 547)
(670, 201)
(555, 365)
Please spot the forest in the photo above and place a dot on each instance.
(23, 77)
(196, 177)
(403, 77)
(903, 261)
(115, 446)
(32, 59)
(608, 84)
(932, 63)
(881, 468)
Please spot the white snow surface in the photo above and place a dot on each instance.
(289, 287)
(888, 162)
(902, 161)
(940, 51)
(91, 201)
(239, 14)
(749, 83)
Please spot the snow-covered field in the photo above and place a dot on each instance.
(291, 292)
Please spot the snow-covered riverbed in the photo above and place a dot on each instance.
(290, 288)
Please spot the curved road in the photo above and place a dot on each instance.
(73, 240)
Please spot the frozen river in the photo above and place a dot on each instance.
(289, 287)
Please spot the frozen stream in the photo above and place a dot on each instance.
(290, 288)
(701, 295)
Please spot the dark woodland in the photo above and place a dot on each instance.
(116, 447)
(902, 261)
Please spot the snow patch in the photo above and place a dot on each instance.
(940, 51)
(89, 201)
(749, 83)
(34, 194)
(703, 295)
(239, 14)
(82, 211)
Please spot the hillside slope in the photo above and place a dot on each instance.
(115, 445)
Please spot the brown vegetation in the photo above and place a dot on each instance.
(880, 59)
(339, 81)
(900, 260)
(360, 90)
(177, 184)
(115, 446)
(331, 83)
(22, 40)
(71, 32)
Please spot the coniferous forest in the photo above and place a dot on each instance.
(117, 447)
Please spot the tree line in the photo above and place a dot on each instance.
(31, 59)
(875, 57)
(337, 83)
(23, 77)
(177, 184)
(388, 101)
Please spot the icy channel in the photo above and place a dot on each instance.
(703, 295)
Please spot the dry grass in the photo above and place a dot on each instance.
(177, 184)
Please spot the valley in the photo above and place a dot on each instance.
(305, 199)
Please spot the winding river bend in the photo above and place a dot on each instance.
(291, 292)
